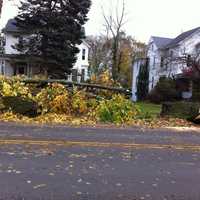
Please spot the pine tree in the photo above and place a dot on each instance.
(55, 28)
(143, 81)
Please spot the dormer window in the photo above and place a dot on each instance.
(152, 47)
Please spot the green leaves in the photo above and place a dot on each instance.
(117, 110)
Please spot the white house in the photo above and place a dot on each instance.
(163, 54)
(10, 68)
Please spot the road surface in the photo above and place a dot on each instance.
(63, 163)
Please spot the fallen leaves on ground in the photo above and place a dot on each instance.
(62, 119)
(163, 123)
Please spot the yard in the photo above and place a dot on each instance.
(149, 110)
(56, 104)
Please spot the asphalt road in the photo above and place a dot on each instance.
(48, 171)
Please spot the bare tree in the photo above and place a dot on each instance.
(99, 55)
(114, 24)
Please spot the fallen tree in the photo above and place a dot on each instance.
(87, 86)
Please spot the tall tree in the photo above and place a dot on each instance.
(114, 24)
(100, 53)
(129, 50)
(55, 28)
(101, 56)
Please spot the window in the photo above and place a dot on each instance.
(189, 60)
(161, 62)
(83, 54)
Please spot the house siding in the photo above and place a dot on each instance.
(171, 67)
(10, 41)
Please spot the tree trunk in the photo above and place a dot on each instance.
(115, 59)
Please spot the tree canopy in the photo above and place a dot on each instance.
(54, 28)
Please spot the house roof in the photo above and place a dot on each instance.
(161, 42)
(181, 37)
(11, 26)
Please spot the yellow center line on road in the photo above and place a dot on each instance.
(98, 144)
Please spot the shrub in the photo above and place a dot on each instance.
(196, 96)
(20, 105)
(79, 102)
(116, 110)
(14, 87)
(61, 104)
(184, 110)
(196, 91)
(56, 99)
(2, 106)
(53, 98)
(165, 90)
(16, 96)
(104, 79)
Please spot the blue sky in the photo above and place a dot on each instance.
(166, 18)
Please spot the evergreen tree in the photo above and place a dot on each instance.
(143, 81)
(55, 28)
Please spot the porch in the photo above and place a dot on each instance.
(12, 66)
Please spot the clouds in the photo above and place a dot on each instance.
(145, 17)
(151, 17)
(9, 11)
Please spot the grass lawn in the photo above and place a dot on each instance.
(148, 110)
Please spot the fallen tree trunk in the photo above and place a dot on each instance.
(75, 84)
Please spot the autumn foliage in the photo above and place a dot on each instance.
(55, 104)
(56, 99)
